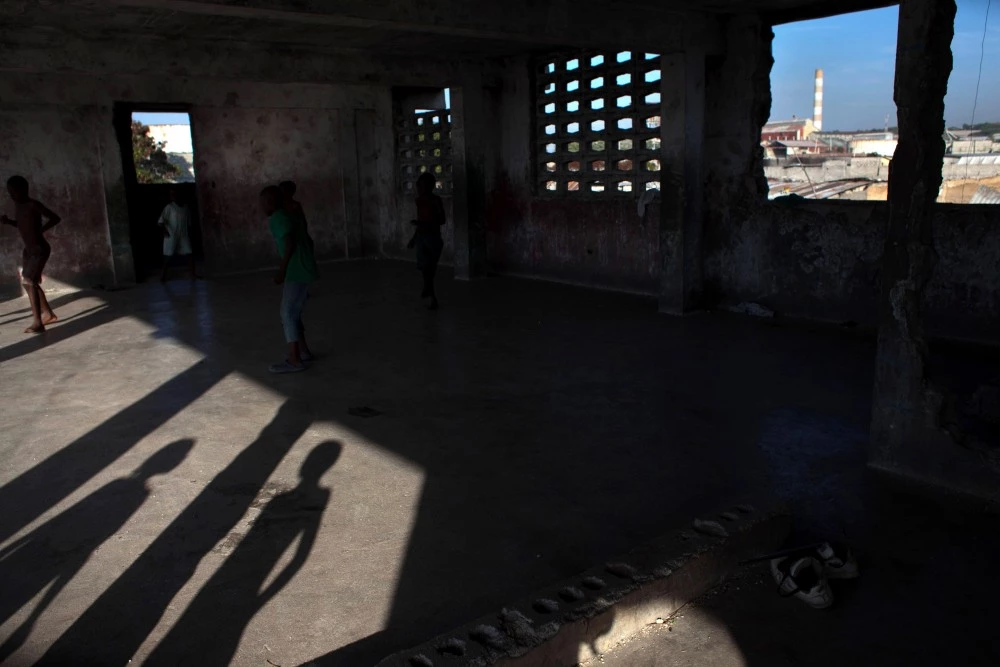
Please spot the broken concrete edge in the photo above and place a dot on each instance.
(967, 493)
(586, 615)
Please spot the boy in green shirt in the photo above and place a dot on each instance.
(297, 271)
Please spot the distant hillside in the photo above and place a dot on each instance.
(990, 128)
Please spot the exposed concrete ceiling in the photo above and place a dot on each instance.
(396, 27)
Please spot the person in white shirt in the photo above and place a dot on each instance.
(175, 221)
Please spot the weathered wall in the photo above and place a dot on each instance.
(602, 242)
(246, 135)
(398, 232)
(57, 149)
(242, 150)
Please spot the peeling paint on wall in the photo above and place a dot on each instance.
(57, 151)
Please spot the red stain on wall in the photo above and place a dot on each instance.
(239, 152)
(598, 242)
(56, 150)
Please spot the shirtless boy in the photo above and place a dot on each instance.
(28, 220)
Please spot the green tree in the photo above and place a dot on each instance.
(151, 162)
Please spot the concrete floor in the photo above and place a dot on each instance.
(153, 507)
(926, 596)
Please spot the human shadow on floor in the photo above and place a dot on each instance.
(60, 301)
(112, 629)
(56, 333)
(50, 556)
(246, 581)
(62, 318)
(35, 491)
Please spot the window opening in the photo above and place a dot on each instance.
(584, 131)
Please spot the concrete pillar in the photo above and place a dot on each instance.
(911, 434)
(681, 214)
(116, 204)
(470, 135)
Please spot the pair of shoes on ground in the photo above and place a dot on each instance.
(806, 576)
(287, 366)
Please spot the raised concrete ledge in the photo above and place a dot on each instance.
(586, 615)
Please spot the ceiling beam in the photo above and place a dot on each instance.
(603, 24)
(825, 9)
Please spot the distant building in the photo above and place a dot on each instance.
(176, 137)
(178, 146)
(971, 142)
(787, 130)
(792, 147)
(873, 143)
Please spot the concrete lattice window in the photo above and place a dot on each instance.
(423, 142)
(597, 123)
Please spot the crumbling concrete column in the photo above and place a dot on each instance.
(469, 139)
(910, 432)
(682, 131)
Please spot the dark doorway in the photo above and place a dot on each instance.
(157, 156)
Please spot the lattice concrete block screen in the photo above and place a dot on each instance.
(598, 123)
(423, 141)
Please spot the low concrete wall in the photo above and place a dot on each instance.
(821, 261)
(831, 170)
(599, 243)
(872, 168)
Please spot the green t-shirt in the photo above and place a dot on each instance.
(302, 265)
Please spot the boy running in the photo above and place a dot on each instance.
(297, 271)
(28, 220)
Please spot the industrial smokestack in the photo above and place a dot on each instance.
(818, 101)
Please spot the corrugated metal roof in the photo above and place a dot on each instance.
(985, 195)
(815, 190)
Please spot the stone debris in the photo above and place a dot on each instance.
(622, 570)
(713, 528)
(518, 627)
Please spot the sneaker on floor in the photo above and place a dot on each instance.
(837, 561)
(803, 578)
(306, 358)
(286, 367)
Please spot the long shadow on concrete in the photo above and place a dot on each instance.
(56, 302)
(243, 585)
(37, 490)
(134, 603)
(57, 332)
(48, 557)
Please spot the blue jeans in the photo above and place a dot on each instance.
(293, 302)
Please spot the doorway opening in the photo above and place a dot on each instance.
(158, 162)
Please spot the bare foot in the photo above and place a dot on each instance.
(49, 319)
(35, 329)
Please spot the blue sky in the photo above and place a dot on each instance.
(162, 118)
(857, 53)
